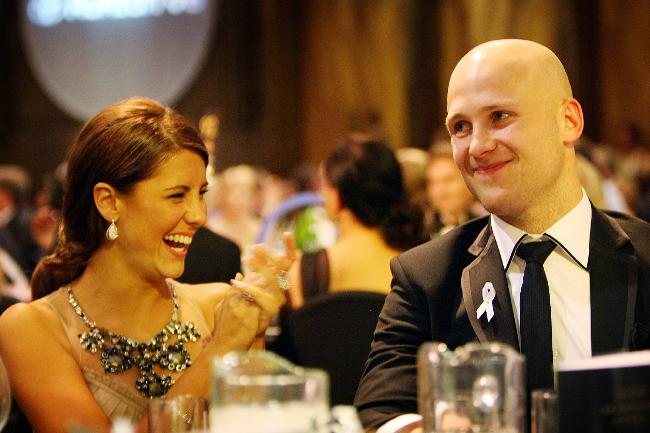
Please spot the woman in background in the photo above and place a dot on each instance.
(451, 201)
(365, 196)
(108, 329)
(236, 199)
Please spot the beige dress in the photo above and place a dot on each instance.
(115, 393)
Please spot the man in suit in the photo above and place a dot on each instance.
(15, 226)
(513, 123)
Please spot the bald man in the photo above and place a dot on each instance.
(513, 124)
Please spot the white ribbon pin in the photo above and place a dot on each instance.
(486, 306)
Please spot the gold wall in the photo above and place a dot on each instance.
(361, 57)
(290, 77)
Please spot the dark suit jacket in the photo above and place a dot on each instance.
(437, 283)
(16, 240)
(211, 258)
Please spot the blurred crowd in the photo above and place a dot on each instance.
(248, 204)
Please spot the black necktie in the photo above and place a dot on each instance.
(535, 315)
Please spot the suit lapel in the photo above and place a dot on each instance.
(613, 285)
(487, 267)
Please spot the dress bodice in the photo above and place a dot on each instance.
(115, 393)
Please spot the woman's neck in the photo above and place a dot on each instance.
(349, 225)
(116, 297)
(351, 230)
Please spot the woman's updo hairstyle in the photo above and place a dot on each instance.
(369, 180)
(121, 146)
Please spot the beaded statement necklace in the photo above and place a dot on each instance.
(120, 353)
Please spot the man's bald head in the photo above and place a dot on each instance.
(513, 124)
(520, 60)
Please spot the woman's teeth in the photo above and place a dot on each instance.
(178, 241)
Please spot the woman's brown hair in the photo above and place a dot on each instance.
(121, 145)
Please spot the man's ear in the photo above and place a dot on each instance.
(573, 122)
(106, 201)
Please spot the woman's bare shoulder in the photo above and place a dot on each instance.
(28, 315)
(25, 324)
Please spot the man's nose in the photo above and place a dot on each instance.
(482, 141)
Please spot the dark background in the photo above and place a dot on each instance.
(289, 77)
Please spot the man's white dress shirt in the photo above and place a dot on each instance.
(567, 275)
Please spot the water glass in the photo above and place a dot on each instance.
(544, 411)
(183, 413)
(259, 392)
(477, 388)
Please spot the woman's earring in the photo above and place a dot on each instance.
(111, 231)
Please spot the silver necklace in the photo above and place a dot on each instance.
(119, 353)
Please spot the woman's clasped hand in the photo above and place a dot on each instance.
(254, 299)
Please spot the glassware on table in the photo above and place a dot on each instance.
(181, 413)
(260, 392)
(5, 395)
(476, 388)
(544, 411)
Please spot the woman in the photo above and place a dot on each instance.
(365, 196)
(234, 216)
(451, 201)
(107, 329)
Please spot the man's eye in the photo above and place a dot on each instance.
(178, 195)
(203, 192)
(501, 115)
(460, 128)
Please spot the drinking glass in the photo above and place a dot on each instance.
(478, 388)
(182, 413)
(260, 392)
(544, 411)
(5, 396)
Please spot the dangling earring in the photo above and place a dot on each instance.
(111, 231)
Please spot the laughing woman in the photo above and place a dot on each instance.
(108, 328)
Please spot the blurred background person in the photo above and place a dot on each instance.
(48, 202)
(366, 198)
(639, 166)
(14, 284)
(6, 299)
(16, 217)
(451, 202)
(591, 180)
(234, 215)
(274, 188)
(294, 203)
(607, 162)
(414, 162)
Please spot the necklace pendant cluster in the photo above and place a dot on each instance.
(166, 350)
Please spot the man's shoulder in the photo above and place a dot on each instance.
(629, 222)
(624, 233)
(636, 229)
(442, 249)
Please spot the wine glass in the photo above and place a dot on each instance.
(5, 396)
(181, 413)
